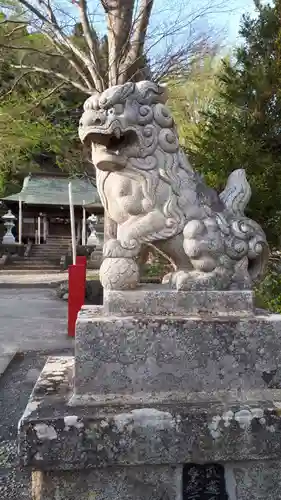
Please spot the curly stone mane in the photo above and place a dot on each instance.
(158, 159)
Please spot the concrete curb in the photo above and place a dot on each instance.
(5, 360)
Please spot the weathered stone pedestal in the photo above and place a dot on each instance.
(160, 380)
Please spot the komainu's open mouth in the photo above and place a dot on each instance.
(109, 150)
(114, 143)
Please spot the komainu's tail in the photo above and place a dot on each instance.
(237, 192)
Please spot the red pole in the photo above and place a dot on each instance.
(81, 260)
(76, 293)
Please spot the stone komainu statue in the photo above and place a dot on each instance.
(148, 187)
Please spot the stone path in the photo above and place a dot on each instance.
(35, 279)
(32, 319)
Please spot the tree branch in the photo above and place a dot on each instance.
(140, 30)
(54, 73)
(72, 63)
(13, 21)
(53, 24)
(92, 43)
(78, 52)
(46, 96)
(16, 28)
(31, 49)
(119, 15)
(5, 94)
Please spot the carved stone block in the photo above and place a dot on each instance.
(112, 483)
(162, 301)
(133, 355)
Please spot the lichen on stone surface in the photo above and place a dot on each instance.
(72, 421)
(146, 417)
(45, 432)
(243, 417)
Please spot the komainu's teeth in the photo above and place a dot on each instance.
(117, 133)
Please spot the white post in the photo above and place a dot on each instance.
(20, 221)
(45, 228)
(72, 223)
(78, 231)
(84, 225)
(39, 229)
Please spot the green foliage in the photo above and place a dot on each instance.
(34, 137)
(191, 96)
(156, 265)
(38, 116)
(39, 112)
(154, 270)
(268, 292)
(241, 126)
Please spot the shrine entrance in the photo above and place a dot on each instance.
(59, 226)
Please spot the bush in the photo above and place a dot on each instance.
(156, 265)
(268, 292)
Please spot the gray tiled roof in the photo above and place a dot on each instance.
(47, 190)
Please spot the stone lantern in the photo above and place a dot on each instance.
(93, 239)
(8, 238)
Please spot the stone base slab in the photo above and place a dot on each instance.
(258, 480)
(113, 483)
(155, 300)
(223, 428)
(139, 355)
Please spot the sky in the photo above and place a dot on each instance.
(219, 18)
(231, 21)
(227, 21)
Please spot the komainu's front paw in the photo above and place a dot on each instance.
(195, 280)
(115, 249)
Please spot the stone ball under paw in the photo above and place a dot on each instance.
(119, 273)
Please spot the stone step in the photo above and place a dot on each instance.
(43, 254)
(47, 256)
(47, 251)
(48, 259)
(38, 262)
(38, 268)
(10, 271)
(31, 263)
(57, 241)
(51, 245)
(57, 251)
(52, 249)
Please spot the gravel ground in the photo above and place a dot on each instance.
(15, 387)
